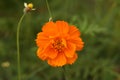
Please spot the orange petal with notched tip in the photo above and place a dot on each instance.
(60, 60)
(72, 60)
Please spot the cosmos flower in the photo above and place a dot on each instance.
(28, 7)
(58, 43)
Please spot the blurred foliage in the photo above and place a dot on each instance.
(98, 21)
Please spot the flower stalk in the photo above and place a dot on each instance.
(28, 8)
(50, 19)
(65, 72)
(18, 47)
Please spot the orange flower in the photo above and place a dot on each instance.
(58, 43)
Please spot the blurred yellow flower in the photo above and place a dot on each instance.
(5, 64)
(28, 7)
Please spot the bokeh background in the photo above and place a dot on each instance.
(98, 21)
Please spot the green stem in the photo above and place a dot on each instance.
(18, 47)
(65, 73)
(49, 9)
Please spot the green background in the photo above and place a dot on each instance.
(98, 21)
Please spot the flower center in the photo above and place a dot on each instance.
(58, 45)
(30, 5)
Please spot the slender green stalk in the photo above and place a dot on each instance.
(18, 47)
(65, 73)
(49, 10)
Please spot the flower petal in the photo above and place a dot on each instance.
(42, 40)
(60, 60)
(50, 53)
(50, 28)
(78, 42)
(40, 55)
(72, 60)
(74, 32)
(70, 50)
(63, 27)
(25, 4)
